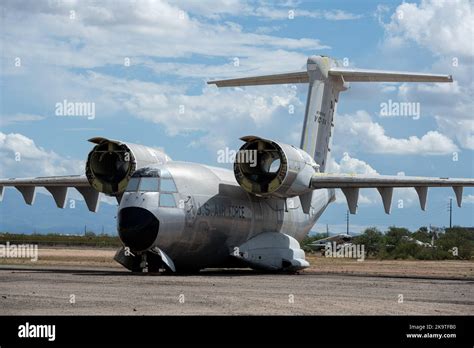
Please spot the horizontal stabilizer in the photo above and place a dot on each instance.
(364, 75)
(277, 79)
(348, 75)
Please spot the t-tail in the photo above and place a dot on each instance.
(327, 78)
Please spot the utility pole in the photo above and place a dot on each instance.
(450, 209)
(327, 230)
(347, 222)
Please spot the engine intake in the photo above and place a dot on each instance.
(111, 163)
(264, 167)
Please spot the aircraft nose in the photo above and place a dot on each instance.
(137, 228)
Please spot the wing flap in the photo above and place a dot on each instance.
(422, 192)
(352, 197)
(458, 193)
(28, 193)
(386, 193)
(59, 194)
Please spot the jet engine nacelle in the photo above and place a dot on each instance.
(267, 168)
(111, 163)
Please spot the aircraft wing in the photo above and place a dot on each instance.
(57, 186)
(351, 183)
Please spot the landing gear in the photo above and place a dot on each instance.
(155, 264)
(152, 261)
(143, 262)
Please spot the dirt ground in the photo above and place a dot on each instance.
(100, 286)
(97, 257)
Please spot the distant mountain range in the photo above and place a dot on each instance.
(44, 217)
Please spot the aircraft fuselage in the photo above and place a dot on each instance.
(213, 214)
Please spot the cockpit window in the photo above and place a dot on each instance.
(148, 184)
(167, 200)
(146, 173)
(133, 184)
(152, 180)
(143, 184)
(165, 174)
(167, 185)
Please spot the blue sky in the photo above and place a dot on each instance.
(77, 51)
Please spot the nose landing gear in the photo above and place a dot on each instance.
(153, 260)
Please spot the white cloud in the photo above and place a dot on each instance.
(278, 11)
(359, 130)
(445, 29)
(351, 165)
(217, 114)
(266, 62)
(339, 15)
(21, 157)
(19, 118)
(57, 60)
(105, 33)
(460, 129)
(216, 9)
(348, 164)
(450, 104)
(292, 13)
(442, 26)
(267, 29)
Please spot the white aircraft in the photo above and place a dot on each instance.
(185, 216)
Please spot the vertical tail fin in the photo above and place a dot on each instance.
(323, 94)
(326, 80)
